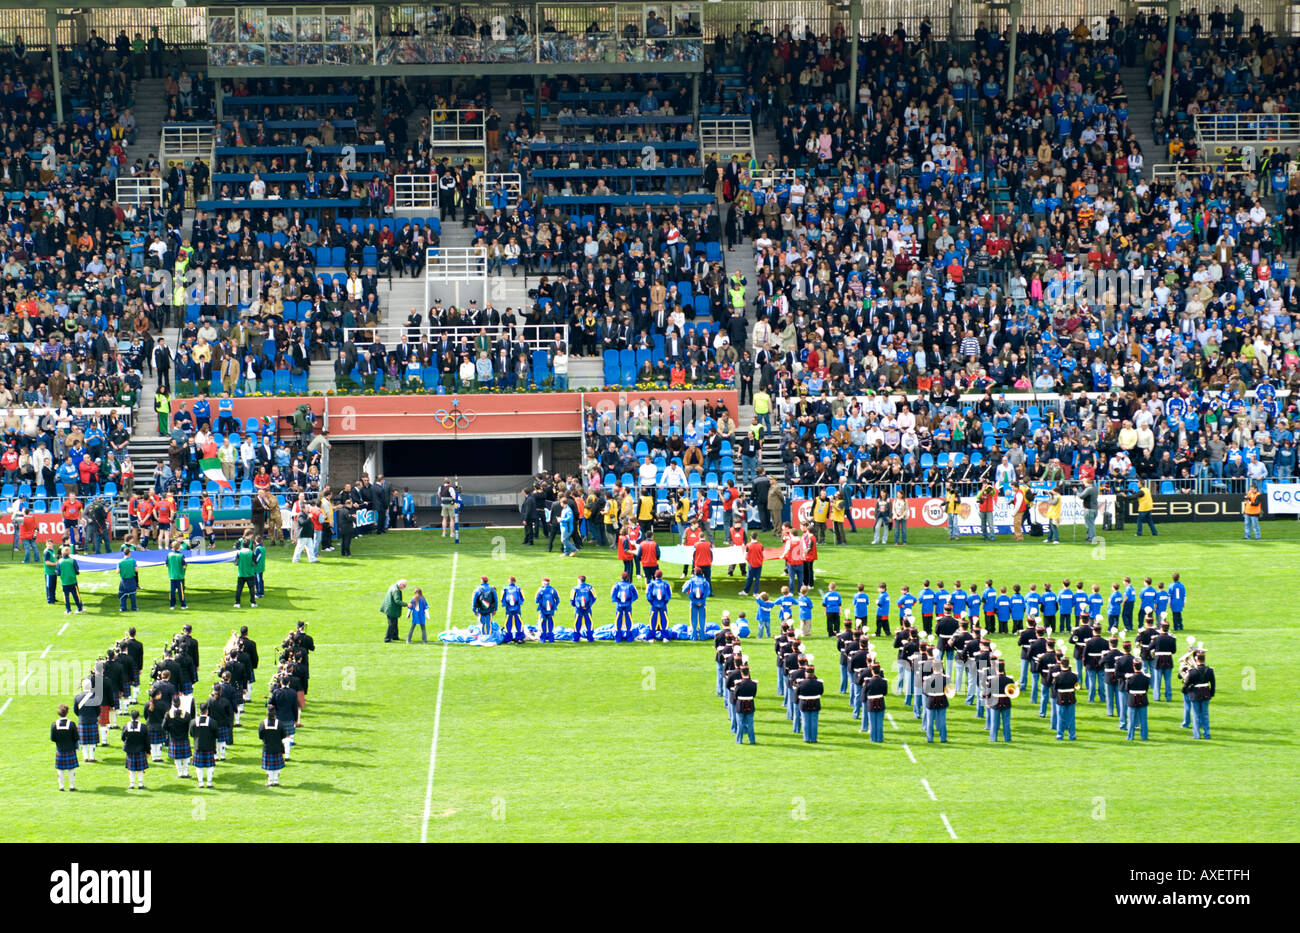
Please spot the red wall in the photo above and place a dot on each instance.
(541, 414)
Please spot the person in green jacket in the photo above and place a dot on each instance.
(245, 569)
(68, 571)
(162, 404)
(130, 580)
(176, 574)
(392, 607)
(51, 560)
(259, 565)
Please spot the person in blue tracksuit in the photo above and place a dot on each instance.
(582, 598)
(1114, 607)
(882, 610)
(833, 603)
(927, 600)
(623, 595)
(657, 595)
(787, 604)
(764, 618)
(863, 603)
(1177, 601)
(408, 509)
(547, 601)
(1130, 600)
(1162, 602)
(697, 590)
(1018, 607)
(485, 605)
(1146, 601)
(905, 603)
(805, 604)
(988, 602)
(1002, 610)
(1065, 599)
(512, 600)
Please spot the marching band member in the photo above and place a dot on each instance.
(1138, 685)
(204, 734)
(809, 692)
(1199, 683)
(87, 704)
(1094, 649)
(1064, 684)
(176, 726)
(271, 734)
(874, 689)
(135, 743)
(63, 733)
(1163, 647)
(746, 691)
(1004, 690)
(938, 689)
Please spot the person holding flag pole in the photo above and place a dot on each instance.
(210, 465)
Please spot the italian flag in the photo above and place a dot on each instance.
(211, 467)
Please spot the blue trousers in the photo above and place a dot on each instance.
(1065, 721)
(1145, 518)
(1187, 711)
(1001, 718)
(809, 725)
(794, 573)
(855, 698)
(731, 710)
(623, 625)
(51, 591)
(875, 724)
(1165, 679)
(580, 620)
(1093, 681)
(1137, 721)
(844, 678)
(69, 594)
(918, 704)
(753, 580)
(1251, 523)
(936, 718)
(745, 727)
(514, 627)
(1123, 707)
(1200, 720)
(719, 683)
(546, 626)
(177, 593)
(123, 597)
(1034, 695)
(659, 624)
(1111, 692)
(697, 622)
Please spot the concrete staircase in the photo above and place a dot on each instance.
(150, 110)
(1141, 110)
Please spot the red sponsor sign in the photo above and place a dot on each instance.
(49, 527)
(921, 513)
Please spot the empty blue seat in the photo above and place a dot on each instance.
(338, 256)
(282, 380)
(703, 307)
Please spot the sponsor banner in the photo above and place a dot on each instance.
(1218, 507)
(1283, 498)
(49, 527)
(363, 518)
(931, 513)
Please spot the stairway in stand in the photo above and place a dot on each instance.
(1141, 110)
(150, 110)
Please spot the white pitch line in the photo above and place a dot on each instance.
(890, 717)
(910, 756)
(947, 825)
(6, 706)
(437, 709)
(929, 790)
(46, 651)
(65, 627)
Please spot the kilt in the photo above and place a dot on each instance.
(178, 748)
(65, 761)
(225, 734)
(137, 761)
(106, 711)
(272, 761)
(88, 733)
(205, 759)
(156, 736)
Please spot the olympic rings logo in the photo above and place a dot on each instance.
(458, 418)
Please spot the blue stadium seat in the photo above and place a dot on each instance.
(338, 256)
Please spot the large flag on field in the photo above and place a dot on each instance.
(211, 467)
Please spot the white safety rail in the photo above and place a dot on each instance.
(531, 336)
(508, 183)
(415, 193)
(1218, 132)
(187, 141)
(1168, 171)
(134, 192)
(727, 136)
(460, 135)
(455, 265)
(763, 179)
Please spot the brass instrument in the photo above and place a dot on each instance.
(950, 691)
(1013, 691)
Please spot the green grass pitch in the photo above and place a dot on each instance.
(628, 742)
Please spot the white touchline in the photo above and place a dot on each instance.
(910, 756)
(890, 717)
(947, 825)
(6, 706)
(65, 627)
(929, 790)
(46, 651)
(437, 708)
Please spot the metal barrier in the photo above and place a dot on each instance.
(415, 193)
(726, 136)
(187, 141)
(134, 192)
(1171, 170)
(454, 265)
(1218, 132)
(457, 128)
(509, 183)
(531, 336)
